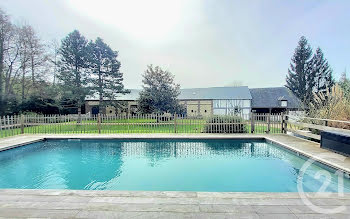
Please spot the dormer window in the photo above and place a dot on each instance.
(284, 103)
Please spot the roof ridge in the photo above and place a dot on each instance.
(267, 87)
(214, 87)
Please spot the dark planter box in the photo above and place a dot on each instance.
(336, 141)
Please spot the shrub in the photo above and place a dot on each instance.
(39, 105)
(331, 105)
(225, 124)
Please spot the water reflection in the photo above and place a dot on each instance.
(158, 150)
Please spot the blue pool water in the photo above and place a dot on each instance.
(163, 165)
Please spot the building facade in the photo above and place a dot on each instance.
(210, 101)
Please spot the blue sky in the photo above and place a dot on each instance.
(203, 43)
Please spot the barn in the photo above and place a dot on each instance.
(212, 101)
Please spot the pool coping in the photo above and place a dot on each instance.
(346, 170)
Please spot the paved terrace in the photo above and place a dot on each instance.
(123, 204)
(119, 204)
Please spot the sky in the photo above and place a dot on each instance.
(204, 43)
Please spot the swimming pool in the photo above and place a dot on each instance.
(160, 165)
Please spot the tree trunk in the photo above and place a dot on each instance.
(1, 74)
(1, 65)
(100, 86)
(7, 82)
(33, 75)
(79, 114)
(101, 106)
(23, 81)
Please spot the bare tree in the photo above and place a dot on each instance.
(37, 55)
(24, 56)
(5, 29)
(53, 59)
(12, 62)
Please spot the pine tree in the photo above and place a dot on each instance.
(307, 75)
(160, 92)
(299, 71)
(73, 74)
(107, 80)
(321, 73)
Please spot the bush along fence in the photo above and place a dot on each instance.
(154, 123)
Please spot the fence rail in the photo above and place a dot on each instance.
(153, 123)
(312, 127)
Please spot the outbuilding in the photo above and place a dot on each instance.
(274, 100)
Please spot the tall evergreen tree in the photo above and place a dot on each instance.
(299, 71)
(159, 92)
(321, 73)
(107, 80)
(307, 75)
(73, 73)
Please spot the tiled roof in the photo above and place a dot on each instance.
(211, 93)
(271, 97)
(241, 93)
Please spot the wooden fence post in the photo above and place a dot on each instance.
(175, 122)
(99, 123)
(1, 127)
(268, 122)
(22, 124)
(128, 122)
(8, 125)
(284, 123)
(252, 125)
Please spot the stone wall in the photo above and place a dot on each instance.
(198, 107)
(193, 107)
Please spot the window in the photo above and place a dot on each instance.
(191, 111)
(110, 111)
(284, 103)
(205, 111)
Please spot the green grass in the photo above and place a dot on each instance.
(128, 126)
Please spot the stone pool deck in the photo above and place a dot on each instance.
(17, 203)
